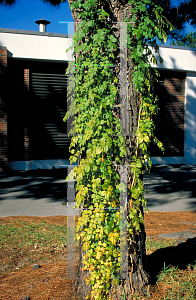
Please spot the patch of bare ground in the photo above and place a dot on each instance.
(18, 279)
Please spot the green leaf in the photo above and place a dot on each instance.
(87, 168)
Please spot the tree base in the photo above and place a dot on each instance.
(135, 283)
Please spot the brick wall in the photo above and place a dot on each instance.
(3, 110)
(174, 114)
(26, 78)
(3, 56)
(26, 125)
(170, 120)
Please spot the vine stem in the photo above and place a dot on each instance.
(133, 182)
(131, 201)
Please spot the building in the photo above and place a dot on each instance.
(176, 122)
(33, 101)
(33, 98)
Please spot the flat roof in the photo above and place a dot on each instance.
(16, 31)
(66, 35)
(176, 47)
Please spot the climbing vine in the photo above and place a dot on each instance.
(96, 141)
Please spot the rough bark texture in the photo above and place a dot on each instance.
(137, 278)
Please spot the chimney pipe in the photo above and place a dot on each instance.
(42, 24)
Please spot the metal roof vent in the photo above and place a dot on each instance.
(42, 24)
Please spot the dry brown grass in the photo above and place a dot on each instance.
(49, 282)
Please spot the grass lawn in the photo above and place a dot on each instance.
(25, 241)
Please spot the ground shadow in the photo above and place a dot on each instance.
(179, 256)
(169, 183)
(34, 185)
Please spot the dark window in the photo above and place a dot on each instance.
(41, 109)
(169, 122)
(48, 105)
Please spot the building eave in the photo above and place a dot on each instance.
(27, 32)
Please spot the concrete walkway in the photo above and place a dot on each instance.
(33, 193)
(172, 188)
(44, 192)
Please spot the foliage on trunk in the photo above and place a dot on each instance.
(105, 228)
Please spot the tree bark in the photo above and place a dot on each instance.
(138, 278)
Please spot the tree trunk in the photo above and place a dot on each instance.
(138, 278)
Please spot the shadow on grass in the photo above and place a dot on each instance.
(179, 256)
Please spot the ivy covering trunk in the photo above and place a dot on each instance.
(106, 149)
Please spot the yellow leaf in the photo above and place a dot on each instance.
(118, 214)
(99, 255)
(146, 139)
(116, 234)
(98, 151)
(113, 240)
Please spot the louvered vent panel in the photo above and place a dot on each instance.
(49, 106)
(44, 84)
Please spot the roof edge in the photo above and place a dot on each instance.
(28, 32)
(176, 47)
